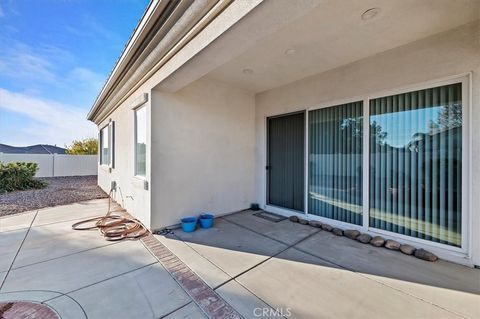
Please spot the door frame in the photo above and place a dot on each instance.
(461, 254)
(268, 206)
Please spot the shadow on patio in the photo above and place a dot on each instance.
(291, 265)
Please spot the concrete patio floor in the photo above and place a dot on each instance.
(309, 273)
(261, 268)
(79, 274)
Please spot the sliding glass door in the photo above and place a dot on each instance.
(414, 175)
(416, 164)
(335, 162)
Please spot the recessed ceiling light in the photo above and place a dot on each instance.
(290, 51)
(370, 13)
(247, 71)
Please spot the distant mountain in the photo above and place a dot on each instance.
(33, 149)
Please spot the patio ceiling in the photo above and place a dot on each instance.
(327, 35)
(334, 34)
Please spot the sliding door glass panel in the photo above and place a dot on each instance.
(416, 164)
(335, 162)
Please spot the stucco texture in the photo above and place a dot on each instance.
(203, 145)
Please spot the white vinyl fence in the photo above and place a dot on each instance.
(56, 164)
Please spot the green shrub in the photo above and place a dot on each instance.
(18, 176)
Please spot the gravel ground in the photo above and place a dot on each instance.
(60, 191)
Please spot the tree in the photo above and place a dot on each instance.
(449, 117)
(88, 146)
(377, 134)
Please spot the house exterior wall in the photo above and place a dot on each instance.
(130, 192)
(203, 146)
(451, 53)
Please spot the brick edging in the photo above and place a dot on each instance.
(25, 310)
(214, 306)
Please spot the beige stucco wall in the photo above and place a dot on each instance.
(203, 141)
(130, 192)
(451, 53)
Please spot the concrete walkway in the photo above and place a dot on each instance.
(79, 274)
(261, 268)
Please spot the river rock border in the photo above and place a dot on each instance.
(376, 241)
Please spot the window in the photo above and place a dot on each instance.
(105, 145)
(140, 141)
(416, 164)
(393, 164)
(335, 162)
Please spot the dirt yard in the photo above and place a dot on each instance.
(60, 191)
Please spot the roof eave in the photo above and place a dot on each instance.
(153, 10)
(168, 30)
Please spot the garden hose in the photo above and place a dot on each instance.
(114, 225)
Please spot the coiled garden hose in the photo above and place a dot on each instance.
(114, 225)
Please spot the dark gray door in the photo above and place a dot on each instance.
(286, 161)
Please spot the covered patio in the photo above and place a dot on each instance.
(254, 263)
(361, 115)
(260, 268)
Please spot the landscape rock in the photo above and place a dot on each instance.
(392, 245)
(327, 227)
(351, 233)
(337, 231)
(425, 255)
(364, 238)
(303, 221)
(61, 190)
(407, 249)
(377, 241)
(293, 219)
(315, 223)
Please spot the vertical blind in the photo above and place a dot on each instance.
(335, 162)
(416, 164)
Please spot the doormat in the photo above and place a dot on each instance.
(270, 216)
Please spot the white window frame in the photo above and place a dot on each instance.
(466, 248)
(110, 128)
(135, 128)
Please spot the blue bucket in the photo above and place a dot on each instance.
(206, 220)
(189, 224)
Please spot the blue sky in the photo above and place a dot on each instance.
(401, 127)
(54, 58)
